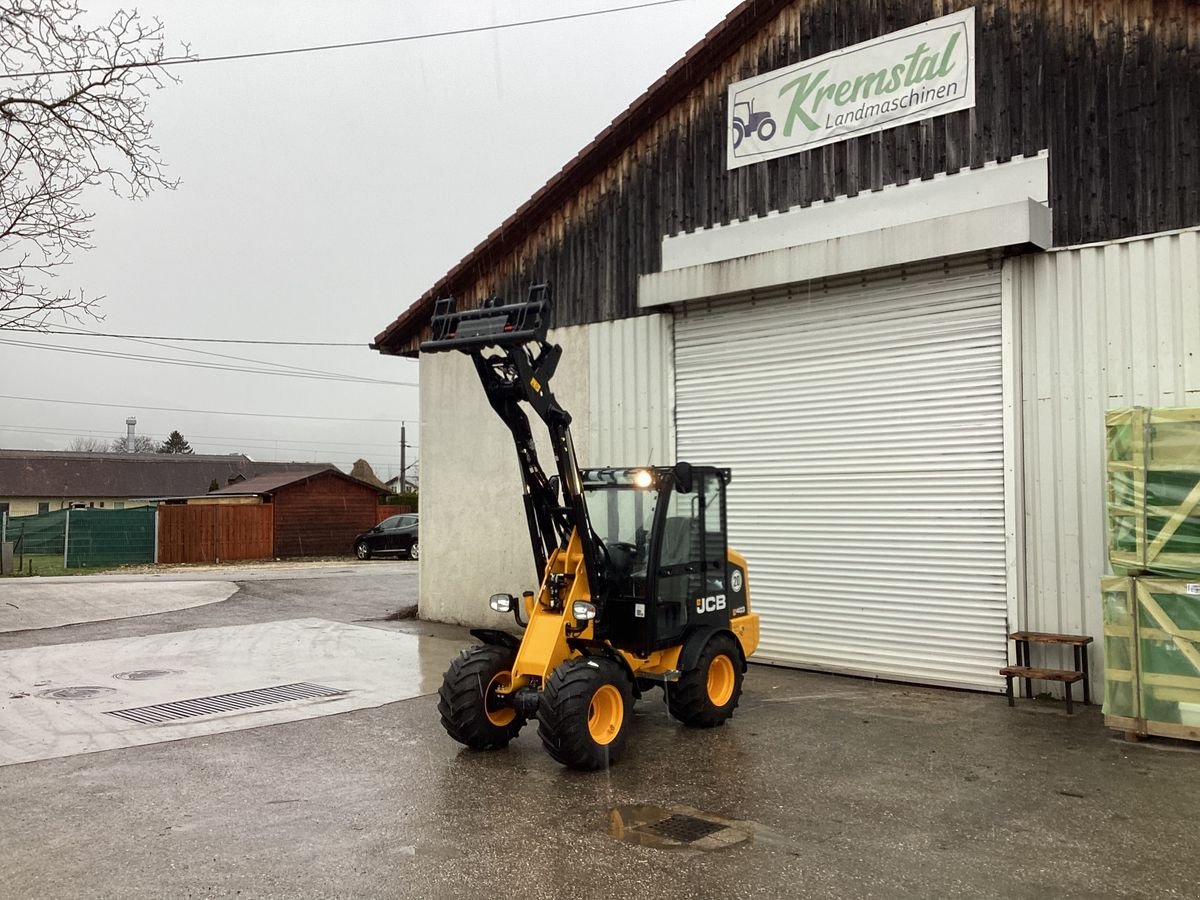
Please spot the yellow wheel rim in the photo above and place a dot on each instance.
(501, 716)
(721, 680)
(606, 712)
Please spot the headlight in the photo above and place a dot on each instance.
(583, 611)
(642, 478)
(501, 602)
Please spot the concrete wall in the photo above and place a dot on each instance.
(474, 539)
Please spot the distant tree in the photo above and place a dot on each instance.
(175, 443)
(363, 472)
(72, 117)
(141, 444)
(88, 445)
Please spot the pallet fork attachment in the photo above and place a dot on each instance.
(495, 324)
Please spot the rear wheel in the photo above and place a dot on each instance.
(583, 715)
(708, 693)
(414, 552)
(467, 699)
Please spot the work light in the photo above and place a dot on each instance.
(501, 602)
(583, 611)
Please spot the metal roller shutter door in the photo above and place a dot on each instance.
(864, 426)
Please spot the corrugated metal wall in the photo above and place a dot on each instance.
(1100, 327)
(631, 392)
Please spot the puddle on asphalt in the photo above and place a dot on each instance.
(679, 828)
(145, 674)
(82, 692)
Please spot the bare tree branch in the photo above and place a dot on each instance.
(61, 134)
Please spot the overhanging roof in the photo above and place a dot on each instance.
(712, 50)
(50, 474)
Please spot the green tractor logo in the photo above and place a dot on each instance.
(747, 123)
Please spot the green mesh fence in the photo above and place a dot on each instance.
(40, 535)
(86, 537)
(110, 537)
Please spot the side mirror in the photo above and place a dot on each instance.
(683, 477)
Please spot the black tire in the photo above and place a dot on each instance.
(414, 550)
(691, 699)
(576, 703)
(766, 129)
(463, 699)
(739, 133)
(362, 551)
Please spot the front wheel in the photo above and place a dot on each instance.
(467, 701)
(583, 716)
(708, 693)
(362, 551)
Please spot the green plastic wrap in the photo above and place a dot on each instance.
(1153, 490)
(1168, 650)
(1121, 694)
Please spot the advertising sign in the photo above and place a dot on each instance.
(924, 71)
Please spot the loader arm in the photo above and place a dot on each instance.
(519, 372)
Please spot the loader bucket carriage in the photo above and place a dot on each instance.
(638, 586)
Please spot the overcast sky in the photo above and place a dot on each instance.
(321, 195)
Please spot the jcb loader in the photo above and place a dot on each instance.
(639, 589)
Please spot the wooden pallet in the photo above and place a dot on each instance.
(1152, 678)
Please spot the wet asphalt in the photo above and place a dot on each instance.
(842, 788)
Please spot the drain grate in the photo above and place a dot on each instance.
(219, 703)
(685, 829)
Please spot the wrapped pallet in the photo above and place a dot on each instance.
(1121, 693)
(1152, 647)
(1153, 490)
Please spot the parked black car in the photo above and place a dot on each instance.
(395, 534)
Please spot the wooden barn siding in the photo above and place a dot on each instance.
(213, 532)
(1112, 89)
(322, 516)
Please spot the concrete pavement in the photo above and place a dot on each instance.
(844, 788)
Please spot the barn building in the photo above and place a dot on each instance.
(890, 262)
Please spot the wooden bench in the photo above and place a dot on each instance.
(1026, 670)
(1066, 676)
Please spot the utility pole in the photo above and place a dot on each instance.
(403, 459)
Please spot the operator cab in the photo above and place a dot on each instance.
(664, 536)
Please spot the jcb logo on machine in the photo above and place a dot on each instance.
(710, 604)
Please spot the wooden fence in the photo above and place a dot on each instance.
(215, 533)
(383, 510)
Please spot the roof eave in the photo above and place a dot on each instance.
(709, 52)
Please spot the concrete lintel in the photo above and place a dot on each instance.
(1022, 223)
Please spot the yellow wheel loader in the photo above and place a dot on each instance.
(639, 588)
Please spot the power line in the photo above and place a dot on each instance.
(202, 412)
(254, 443)
(321, 48)
(161, 360)
(83, 332)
